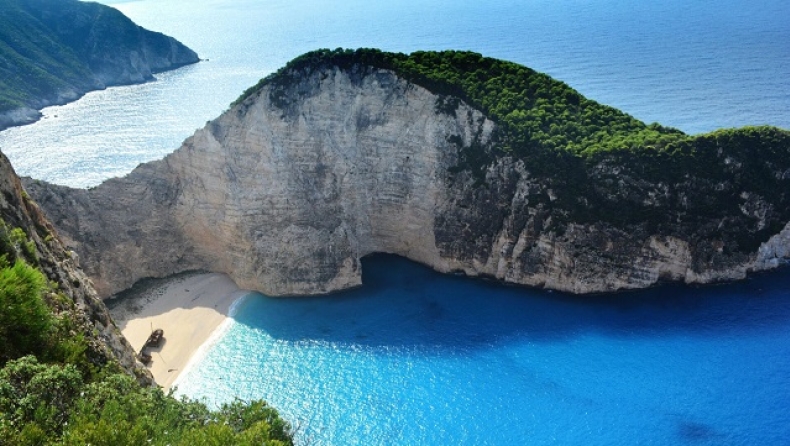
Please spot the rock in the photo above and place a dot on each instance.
(19, 116)
(65, 48)
(291, 187)
(104, 339)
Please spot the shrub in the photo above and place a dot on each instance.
(25, 320)
(51, 403)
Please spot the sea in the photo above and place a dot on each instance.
(417, 358)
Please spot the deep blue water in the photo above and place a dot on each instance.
(697, 65)
(415, 357)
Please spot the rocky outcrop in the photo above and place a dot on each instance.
(57, 50)
(105, 342)
(291, 187)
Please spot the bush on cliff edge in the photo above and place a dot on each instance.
(51, 393)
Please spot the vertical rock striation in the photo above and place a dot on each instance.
(288, 189)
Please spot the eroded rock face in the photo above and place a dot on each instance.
(61, 267)
(286, 191)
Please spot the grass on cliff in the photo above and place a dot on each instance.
(541, 121)
(35, 62)
(55, 48)
(601, 164)
(538, 116)
(534, 111)
(52, 393)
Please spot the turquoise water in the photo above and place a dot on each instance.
(415, 357)
(697, 65)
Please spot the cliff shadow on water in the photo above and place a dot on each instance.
(343, 153)
(402, 304)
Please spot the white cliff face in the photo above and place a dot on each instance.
(775, 251)
(288, 201)
(288, 190)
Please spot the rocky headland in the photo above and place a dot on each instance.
(463, 163)
(54, 51)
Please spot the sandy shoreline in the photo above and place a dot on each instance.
(188, 307)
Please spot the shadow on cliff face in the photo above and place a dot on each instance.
(403, 304)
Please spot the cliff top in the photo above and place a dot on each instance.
(591, 155)
(535, 112)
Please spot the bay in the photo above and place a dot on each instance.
(419, 358)
(695, 65)
(414, 357)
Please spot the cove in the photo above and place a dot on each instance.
(416, 357)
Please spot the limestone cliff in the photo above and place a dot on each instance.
(288, 189)
(54, 51)
(60, 266)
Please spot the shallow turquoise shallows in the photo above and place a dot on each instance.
(414, 358)
(417, 358)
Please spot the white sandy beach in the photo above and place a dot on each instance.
(187, 307)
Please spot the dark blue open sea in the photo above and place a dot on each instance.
(697, 65)
(416, 358)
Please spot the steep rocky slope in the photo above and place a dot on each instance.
(336, 157)
(67, 375)
(71, 291)
(54, 51)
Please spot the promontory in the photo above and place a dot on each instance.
(54, 51)
(464, 163)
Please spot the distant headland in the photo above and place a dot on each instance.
(465, 163)
(54, 51)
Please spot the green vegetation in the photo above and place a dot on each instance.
(25, 321)
(601, 164)
(35, 63)
(54, 404)
(534, 111)
(52, 50)
(51, 392)
(541, 121)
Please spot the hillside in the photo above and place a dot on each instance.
(569, 141)
(464, 163)
(54, 51)
(67, 375)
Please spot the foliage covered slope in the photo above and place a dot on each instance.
(54, 50)
(61, 378)
(535, 111)
(32, 63)
(602, 165)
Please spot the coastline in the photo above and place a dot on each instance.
(33, 111)
(213, 338)
(192, 309)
